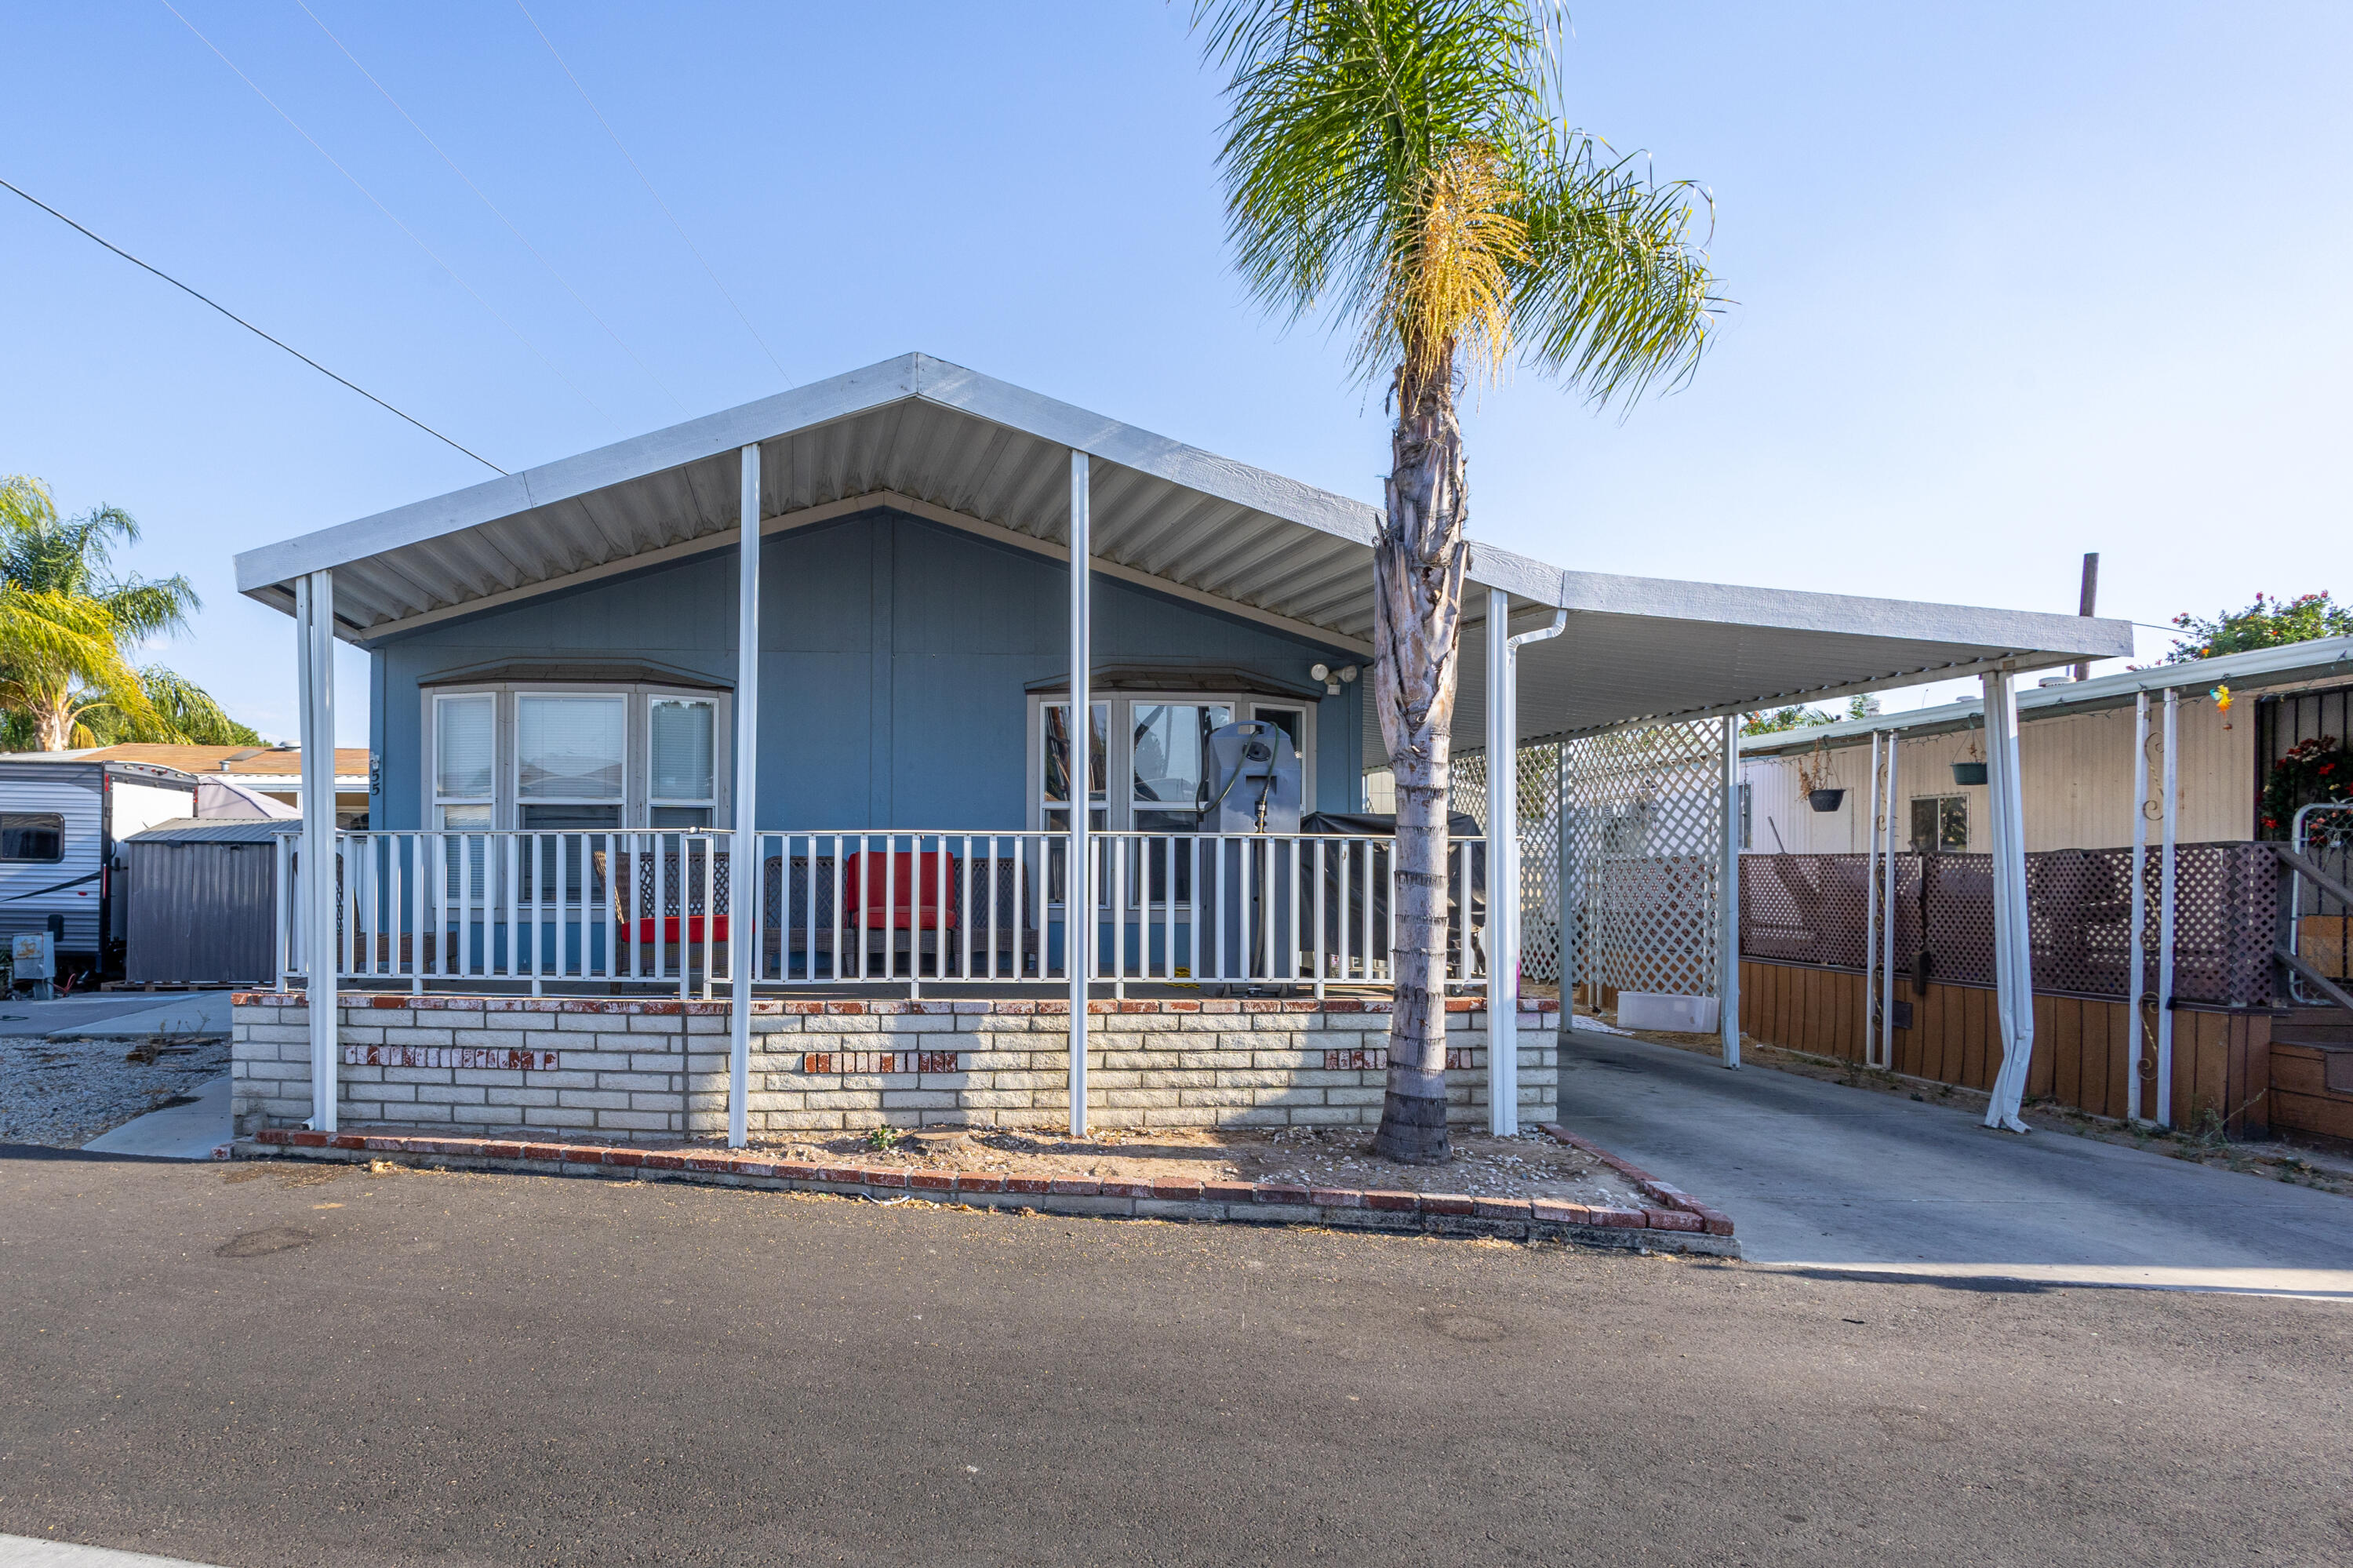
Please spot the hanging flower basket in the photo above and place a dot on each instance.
(1825, 800)
(1969, 772)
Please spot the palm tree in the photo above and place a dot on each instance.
(66, 620)
(1398, 164)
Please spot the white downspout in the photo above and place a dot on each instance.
(1503, 858)
(2013, 960)
(745, 880)
(314, 624)
(1078, 892)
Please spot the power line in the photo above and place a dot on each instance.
(385, 210)
(256, 331)
(487, 201)
(651, 191)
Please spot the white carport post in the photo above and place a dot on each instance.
(1727, 960)
(2164, 900)
(743, 880)
(1504, 859)
(314, 663)
(2013, 964)
(2137, 957)
(1078, 884)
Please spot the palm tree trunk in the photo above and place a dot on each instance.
(1418, 566)
(53, 720)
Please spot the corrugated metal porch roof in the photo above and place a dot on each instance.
(963, 450)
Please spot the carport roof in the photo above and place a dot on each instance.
(968, 452)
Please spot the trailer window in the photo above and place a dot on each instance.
(32, 836)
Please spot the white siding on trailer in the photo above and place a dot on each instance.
(22, 908)
(2076, 772)
(139, 806)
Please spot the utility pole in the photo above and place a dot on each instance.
(2088, 602)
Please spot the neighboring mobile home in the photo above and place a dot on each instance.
(2075, 746)
(61, 820)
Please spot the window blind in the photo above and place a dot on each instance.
(464, 736)
(570, 748)
(682, 750)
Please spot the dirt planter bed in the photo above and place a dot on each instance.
(1671, 1221)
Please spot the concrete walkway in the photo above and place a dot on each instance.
(1818, 1174)
(177, 1132)
(191, 1012)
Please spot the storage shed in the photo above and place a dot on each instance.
(203, 901)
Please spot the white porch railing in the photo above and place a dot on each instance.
(651, 909)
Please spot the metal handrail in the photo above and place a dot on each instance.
(2297, 868)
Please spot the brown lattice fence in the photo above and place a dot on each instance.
(1813, 909)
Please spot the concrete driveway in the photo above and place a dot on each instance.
(1819, 1173)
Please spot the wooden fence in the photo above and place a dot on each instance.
(2221, 1060)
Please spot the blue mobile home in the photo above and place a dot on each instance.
(830, 638)
(910, 673)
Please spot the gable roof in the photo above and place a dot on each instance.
(965, 449)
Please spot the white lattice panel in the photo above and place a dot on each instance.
(1539, 825)
(1644, 815)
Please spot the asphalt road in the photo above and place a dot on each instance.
(273, 1364)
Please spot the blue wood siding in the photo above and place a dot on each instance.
(895, 659)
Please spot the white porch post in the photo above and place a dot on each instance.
(1728, 987)
(744, 881)
(2013, 956)
(1503, 873)
(1078, 894)
(1504, 859)
(314, 658)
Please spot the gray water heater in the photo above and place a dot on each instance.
(1252, 782)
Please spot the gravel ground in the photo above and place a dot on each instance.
(1529, 1166)
(65, 1093)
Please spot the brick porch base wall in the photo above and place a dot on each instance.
(653, 1070)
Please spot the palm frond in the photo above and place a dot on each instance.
(1401, 165)
(1611, 289)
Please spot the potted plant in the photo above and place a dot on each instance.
(1814, 780)
(1971, 769)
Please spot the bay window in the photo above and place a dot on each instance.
(556, 759)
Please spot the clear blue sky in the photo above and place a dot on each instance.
(2014, 282)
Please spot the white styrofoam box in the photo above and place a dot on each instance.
(1674, 1014)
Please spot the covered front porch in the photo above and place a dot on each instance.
(592, 780)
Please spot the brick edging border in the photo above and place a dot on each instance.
(1679, 1224)
(1681, 1205)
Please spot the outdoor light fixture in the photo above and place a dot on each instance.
(1331, 677)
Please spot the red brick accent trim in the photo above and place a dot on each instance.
(1533, 1218)
(1682, 1211)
